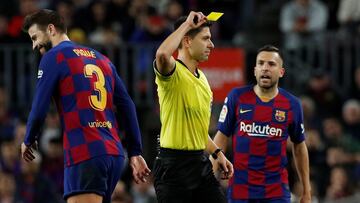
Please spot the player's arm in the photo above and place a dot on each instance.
(47, 79)
(127, 110)
(301, 157)
(225, 126)
(165, 63)
(300, 152)
(221, 140)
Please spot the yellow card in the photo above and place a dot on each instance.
(214, 16)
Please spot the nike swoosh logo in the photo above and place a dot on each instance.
(244, 111)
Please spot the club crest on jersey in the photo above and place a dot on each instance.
(280, 115)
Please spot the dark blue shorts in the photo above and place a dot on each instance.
(97, 175)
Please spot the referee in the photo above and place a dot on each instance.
(182, 171)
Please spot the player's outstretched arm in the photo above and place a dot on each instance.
(165, 63)
(139, 168)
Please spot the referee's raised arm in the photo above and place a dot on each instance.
(165, 62)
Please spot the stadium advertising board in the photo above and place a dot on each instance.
(224, 70)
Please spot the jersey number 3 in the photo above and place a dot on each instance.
(97, 102)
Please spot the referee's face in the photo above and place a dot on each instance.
(268, 69)
(201, 45)
(40, 39)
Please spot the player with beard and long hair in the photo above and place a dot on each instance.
(85, 87)
(260, 118)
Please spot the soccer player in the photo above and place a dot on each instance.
(85, 87)
(182, 172)
(260, 118)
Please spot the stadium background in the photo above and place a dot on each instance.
(323, 70)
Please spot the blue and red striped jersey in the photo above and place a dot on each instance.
(259, 133)
(85, 87)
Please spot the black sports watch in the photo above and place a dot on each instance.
(215, 154)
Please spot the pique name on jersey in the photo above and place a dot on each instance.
(84, 52)
(260, 130)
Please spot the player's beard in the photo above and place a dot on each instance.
(46, 45)
(269, 85)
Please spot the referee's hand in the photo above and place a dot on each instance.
(140, 169)
(195, 19)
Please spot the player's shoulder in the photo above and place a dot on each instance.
(71, 49)
(62, 46)
(59, 50)
(238, 92)
(241, 90)
(96, 52)
(85, 50)
(49, 57)
(288, 95)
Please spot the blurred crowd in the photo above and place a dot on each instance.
(332, 117)
(113, 22)
(332, 122)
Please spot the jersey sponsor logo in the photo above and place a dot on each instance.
(40, 74)
(245, 111)
(100, 124)
(280, 115)
(223, 114)
(260, 130)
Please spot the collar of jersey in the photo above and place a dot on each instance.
(196, 70)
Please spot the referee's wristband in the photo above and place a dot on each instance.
(216, 152)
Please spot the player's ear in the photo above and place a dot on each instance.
(50, 29)
(282, 72)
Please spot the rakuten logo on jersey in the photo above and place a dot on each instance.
(259, 130)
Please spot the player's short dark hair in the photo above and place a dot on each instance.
(193, 32)
(43, 18)
(270, 48)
